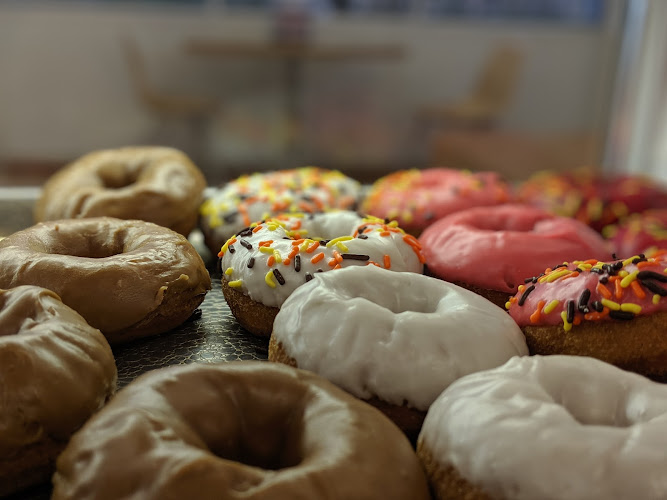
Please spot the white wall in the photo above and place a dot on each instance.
(65, 89)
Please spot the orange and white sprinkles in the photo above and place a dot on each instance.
(268, 260)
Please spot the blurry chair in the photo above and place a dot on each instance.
(171, 108)
(489, 97)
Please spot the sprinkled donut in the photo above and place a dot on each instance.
(490, 250)
(614, 311)
(593, 198)
(154, 184)
(265, 262)
(239, 430)
(553, 428)
(638, 233)
(417, 198)
(259, 196)
(394, 339)
(55, 372)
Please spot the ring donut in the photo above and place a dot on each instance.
(403, 357)
(55, 372)
(491, 250)
(155, 184)
(264, 263)
(250, 198)
(417, 198)
(251, 430)
(549, 427)
(614, 311)
(128, 278)
(639, 233)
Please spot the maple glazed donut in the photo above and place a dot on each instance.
(263, 264)
(638, 233)
(252, 430)
(548, 427)
(591, 197)
(396, 340)
(417, 198)
(254, 197)
(491, 250)
(55, 372)
(155, 184)
(613, 311)
(129, 278)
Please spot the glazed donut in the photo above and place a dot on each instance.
(638, 233)
(128, 278)
(55, 372)
(417, 198)
(595, 199)
(380, 336)
(263, 264)
(155, 184)
(490, 250)
(612, 311)
(250, 430)
(250, 198)
(531, 429)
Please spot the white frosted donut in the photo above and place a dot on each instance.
(553, 427)
(259, 196)
(269, 260)
(398, 337)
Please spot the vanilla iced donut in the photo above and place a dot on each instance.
(400, 338)
(263, 264)
(554, 427)
(254, 197)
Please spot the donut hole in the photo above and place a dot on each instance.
(116, 176)
(401, 297)
(96, 244)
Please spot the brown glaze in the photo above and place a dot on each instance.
(128, 278)
(638, 345)
(251, 315)
(55, 371)
(155, 184)
(409, 420)
(251, 430)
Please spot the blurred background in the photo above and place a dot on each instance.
(364, 86)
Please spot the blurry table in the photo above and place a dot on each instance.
(294, 55)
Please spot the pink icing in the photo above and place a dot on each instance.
(638, 287)
(496, 248)
(416, 198)
(638, 233)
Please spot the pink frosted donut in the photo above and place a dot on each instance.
(491, 250)
(639, 233)
(417, 198)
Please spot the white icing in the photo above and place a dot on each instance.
(554, 427)
(400, 337)
(382, 240)
(307, 189)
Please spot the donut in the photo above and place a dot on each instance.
(613, 311)
(129, 278)
(251, 430)
(638, 233)
(265, 262)
(593, 198)
(254, 197)
(550, 427)
(155, 184)
(396, 340)
(490, 250)
(55, 372)
(417, 198)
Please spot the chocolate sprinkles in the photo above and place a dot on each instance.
(297, 263)
(245, 232)
(525, 294)
(654, 287)
(624, 315)
(246, 244)
(251, 262)
(355, 256)
(570, 311)
(582, 303)
(362, 236)
(651, 275)
(279, 277)
(231, 249)
(308, 277)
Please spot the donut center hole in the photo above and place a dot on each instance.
(91, 246)
(115, 176)
(399, 302)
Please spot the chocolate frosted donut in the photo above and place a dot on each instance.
(128, 278)
(55, 371)
(247, 430)
(155, 184)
